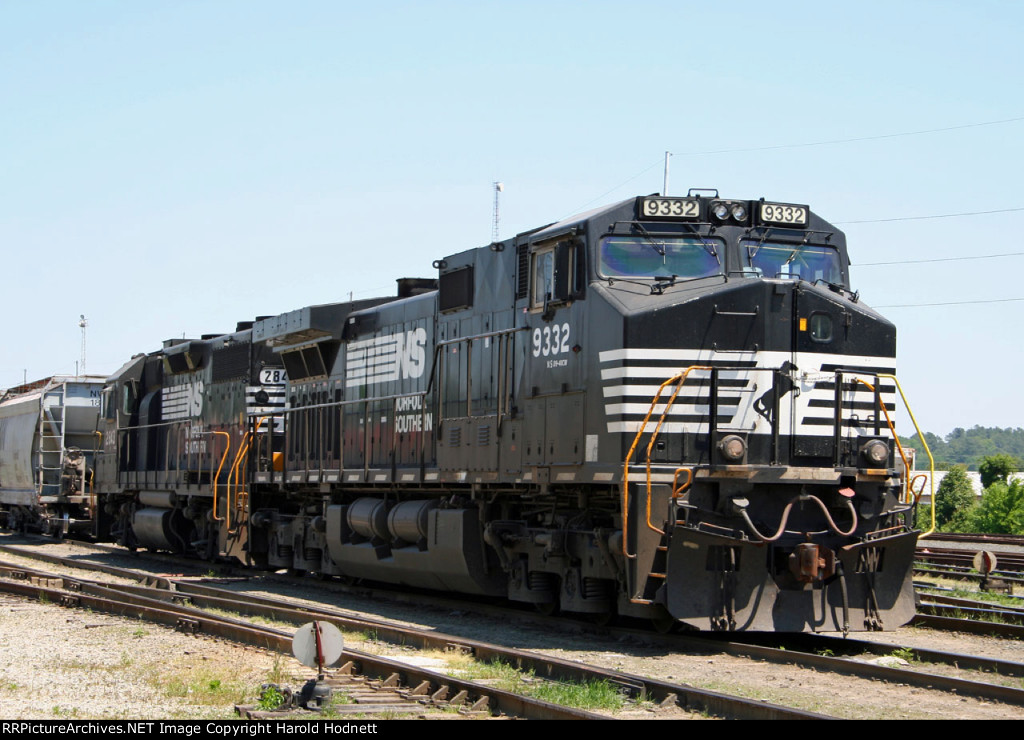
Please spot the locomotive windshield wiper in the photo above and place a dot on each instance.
(658, 287)
(709, 247)
(658, 247)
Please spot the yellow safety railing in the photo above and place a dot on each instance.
(237, 493)
(892, 428)
(924, 442)
(92, 473)
(679, 379)
(216, 478)
(677, 490)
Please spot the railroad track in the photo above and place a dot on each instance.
(818, 654)
(184, 605)
(416, 686)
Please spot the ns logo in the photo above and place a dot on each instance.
(387, 358)
(183, 401)
(194, 398)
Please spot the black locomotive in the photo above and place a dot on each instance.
(671, 407)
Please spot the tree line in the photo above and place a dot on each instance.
(996, 454)
(969, 446)
(1000, 509)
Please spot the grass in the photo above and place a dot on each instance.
(203, 687)
(591, 695)
(905, 654)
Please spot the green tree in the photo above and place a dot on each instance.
(954, 500)
(997, 468)
(1001, 510)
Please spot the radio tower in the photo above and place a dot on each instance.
(498, 187)
(82, 323)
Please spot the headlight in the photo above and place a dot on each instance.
(876, 452)
(739, 212)
(732, 447)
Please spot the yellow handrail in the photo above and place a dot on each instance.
(231, 474)
(92, 475)
(892, 428)
(240, 458)
(896, 439)
(243, 454)
(678, 378)
(920, 436)
(227, 448)
(679, 490)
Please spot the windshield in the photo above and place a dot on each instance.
(659, 257)
(804, 261)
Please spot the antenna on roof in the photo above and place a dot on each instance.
(82, 323)
(498, 187)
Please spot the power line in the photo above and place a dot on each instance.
(825, 142)
(579, 209)
(950, 303)
(923, 218)
(942, 259)
(850, 140)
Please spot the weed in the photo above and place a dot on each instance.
(337, 700)
(139, 633)
(270, 698)
(276, 674)
(202, 688)
(904, 653)
(591, 695)
(826, 653)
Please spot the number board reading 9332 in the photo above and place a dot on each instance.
(684, 208)
(783, 213)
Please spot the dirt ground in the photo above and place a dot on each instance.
(60, 663)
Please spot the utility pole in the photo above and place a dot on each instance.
(664, 189)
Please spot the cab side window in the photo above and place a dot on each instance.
(543, 274)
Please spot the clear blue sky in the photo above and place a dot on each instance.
(170, 168)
